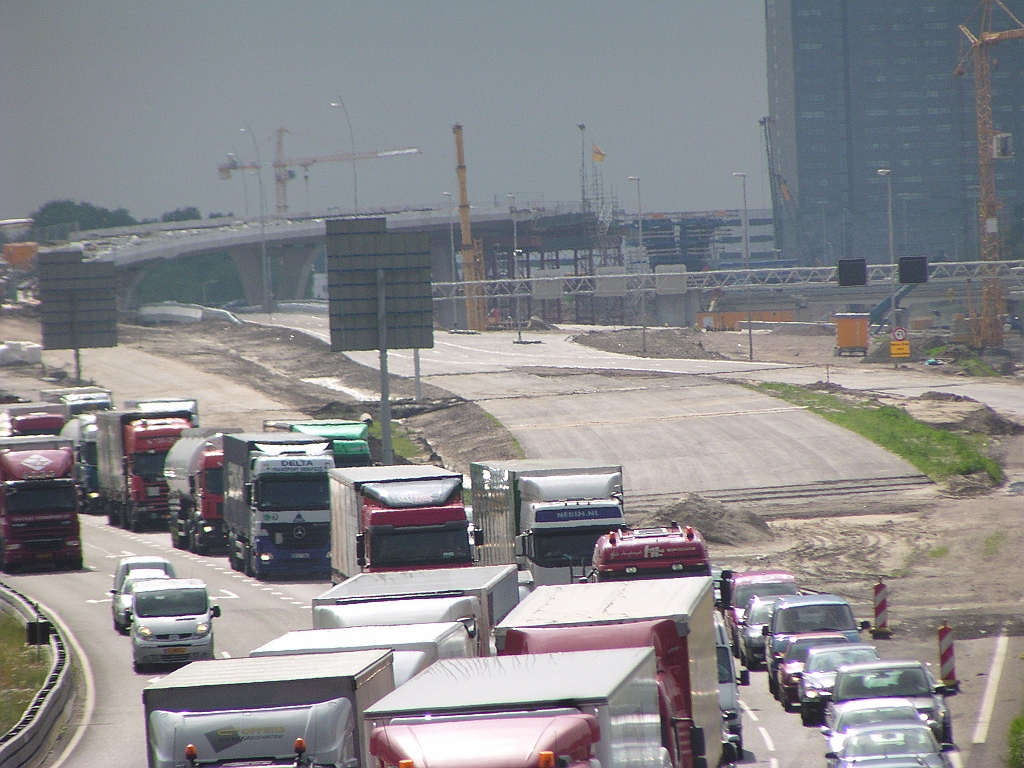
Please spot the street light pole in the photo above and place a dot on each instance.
(583, 166)
(352, 144)
(746, 261)
(643, 269)
(887, 174)
(515, 263)
(268, 289)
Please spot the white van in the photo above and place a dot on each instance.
(728, 686)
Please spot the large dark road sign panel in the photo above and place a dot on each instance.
(852, 272)
(913, 269)
(356, 250)
(78, 301)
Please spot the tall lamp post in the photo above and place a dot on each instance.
(583, 166)
(268, 288)
(746, 261)
(515, 263)
(887, 174)
(352, 144)
(643, 269)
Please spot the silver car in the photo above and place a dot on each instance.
(121, 603)
(756, 617)
(171, 622)
(863, 712)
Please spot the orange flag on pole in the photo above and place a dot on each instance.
(598, 154)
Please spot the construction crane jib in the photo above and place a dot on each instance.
(987, 330)
(282, 165)
(472, 252)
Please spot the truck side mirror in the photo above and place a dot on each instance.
(478, 537)
(360, 550)
(744, 677)
(215, 611)
(766, 630)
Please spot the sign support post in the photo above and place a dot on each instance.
(386, 452)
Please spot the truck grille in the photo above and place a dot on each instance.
(300, 535)
(42, 545)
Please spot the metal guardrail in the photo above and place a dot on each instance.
(22, 743)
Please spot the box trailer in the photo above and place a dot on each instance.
(674, 616)
(581, 709)
(252, 710)
(416, 646)
(478, 596)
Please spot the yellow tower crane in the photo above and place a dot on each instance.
(282, 165)
(472, 252)
(987, 330)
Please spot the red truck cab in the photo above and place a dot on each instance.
(37, 424)
(38, 504)
(146, 443)
(650, 553)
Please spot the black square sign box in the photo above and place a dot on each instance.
(913, 269)
(78, 300)
(356, 250)
(852, 272)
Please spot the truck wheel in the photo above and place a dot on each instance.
(250, 565)
(233, 553)
(809, 715)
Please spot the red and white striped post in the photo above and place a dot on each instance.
(881, 630)
(947, 660)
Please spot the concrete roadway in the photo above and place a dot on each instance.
(673, 424)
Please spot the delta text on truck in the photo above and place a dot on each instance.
(545, 515)
(674, 616)
(38, 503)
(131, 447)
(397, 518)
(276, 503)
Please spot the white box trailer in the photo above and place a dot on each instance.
(571, 617)
(478, 596)
(503, 712)
(416, 646)
(253, 709)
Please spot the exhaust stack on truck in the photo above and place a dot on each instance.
(545, 515)
(562, 709)
(252, 711)
(397, 518)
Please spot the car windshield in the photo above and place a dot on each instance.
(171, 602)
(880, 714)
(760, 612)
(294, 492)
(149, 465)
(798, 650)
(746, 591)
(882, 683)
(830, 661)
(815, 618)
(887, 743)
(57, 497)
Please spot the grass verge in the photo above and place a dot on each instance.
(21, 676)
(935, 452)
(400, 442)
(1015, 743)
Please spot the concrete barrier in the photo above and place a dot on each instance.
(23, 742)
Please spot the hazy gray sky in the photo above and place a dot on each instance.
(134, 104)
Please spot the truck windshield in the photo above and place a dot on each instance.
(395, 549)
(171, 602)
(149, 466)
(54, 498)
(555, 548)
(293, 492)
(214, 480)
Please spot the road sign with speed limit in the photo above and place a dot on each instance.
(899, 334)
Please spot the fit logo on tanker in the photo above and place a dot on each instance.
(653, 551)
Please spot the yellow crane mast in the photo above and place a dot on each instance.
(987, 330)
(282, 165)
(472, 252)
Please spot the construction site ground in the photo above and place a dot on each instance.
(945, 553)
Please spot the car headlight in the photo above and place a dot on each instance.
(145, 631)
(811, 693)
(202, 629)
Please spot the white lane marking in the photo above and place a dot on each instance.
(228, 595)
(988, 702)
(749, 711)
(225, 655)
(102, 600)
(90, 689)
(267, 589)
(296, 602)
(956, 760)
(126, 553)
(285, 597)
(276, 594)
(773, 763)
(767, 738)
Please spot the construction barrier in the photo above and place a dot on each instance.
(947, 660)
(881, 630)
